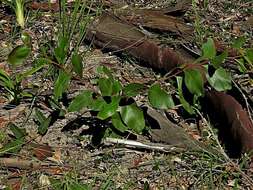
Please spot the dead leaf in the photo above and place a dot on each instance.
(170, 133)
(41, 151)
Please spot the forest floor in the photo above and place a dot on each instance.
(67, 155)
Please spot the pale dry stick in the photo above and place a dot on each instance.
(136, 144)
(19, 163)
(228, 160)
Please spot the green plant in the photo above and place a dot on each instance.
(197, 73)
(12, 82)
(18, 6)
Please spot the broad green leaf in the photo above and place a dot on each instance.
(238, 42)
(116, 87)
(77, 63)
(105, 86)
(109, 109)
(219, 59)
(39, 116)
(44, 121)
(61, 84)
(19, 54)
(133, 89)
(18, 132)
(194, 81)
(133, 117)
(61, 49)
(43, 127)
(221, 80)
(117, 123)
(98, 104)
(208, 49)
(12, 147)
(184, 103)
(80, 101)
(159, 98)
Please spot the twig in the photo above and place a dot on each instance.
(19, 163)
(136, 144)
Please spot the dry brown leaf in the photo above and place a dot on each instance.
(41, 151)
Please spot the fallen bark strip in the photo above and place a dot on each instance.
(235, 126)
(155, 19)
(110, 33)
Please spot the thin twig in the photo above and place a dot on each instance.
(136, 144)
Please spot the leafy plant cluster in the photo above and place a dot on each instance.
(113, 102)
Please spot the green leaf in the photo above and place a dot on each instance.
(117, 123)
(184, 103)
(249, 56)
(61, 49)
(241, 65)
(219, 59)
(109, 109)
(239, 42)
(80, 101)
(26, 38)
(61, 84)
(133, 117)
(18, 132)
(30, 72)
(5, 80)
(116, 87)
(78, 186)
(208, 49)
(104, 70)
(194, 81)
(221, 80)
(105, 86)
(12, 147)
(39, 116)
(159, 98)
(98, 104)
(44, 122)
(77, 63)
(19, 54)
(43, 127)
(133, 89)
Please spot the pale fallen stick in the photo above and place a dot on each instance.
(149, 146)
(19, 163)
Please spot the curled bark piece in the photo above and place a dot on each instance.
(156, 19)
(113, 34)
(235, 127)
